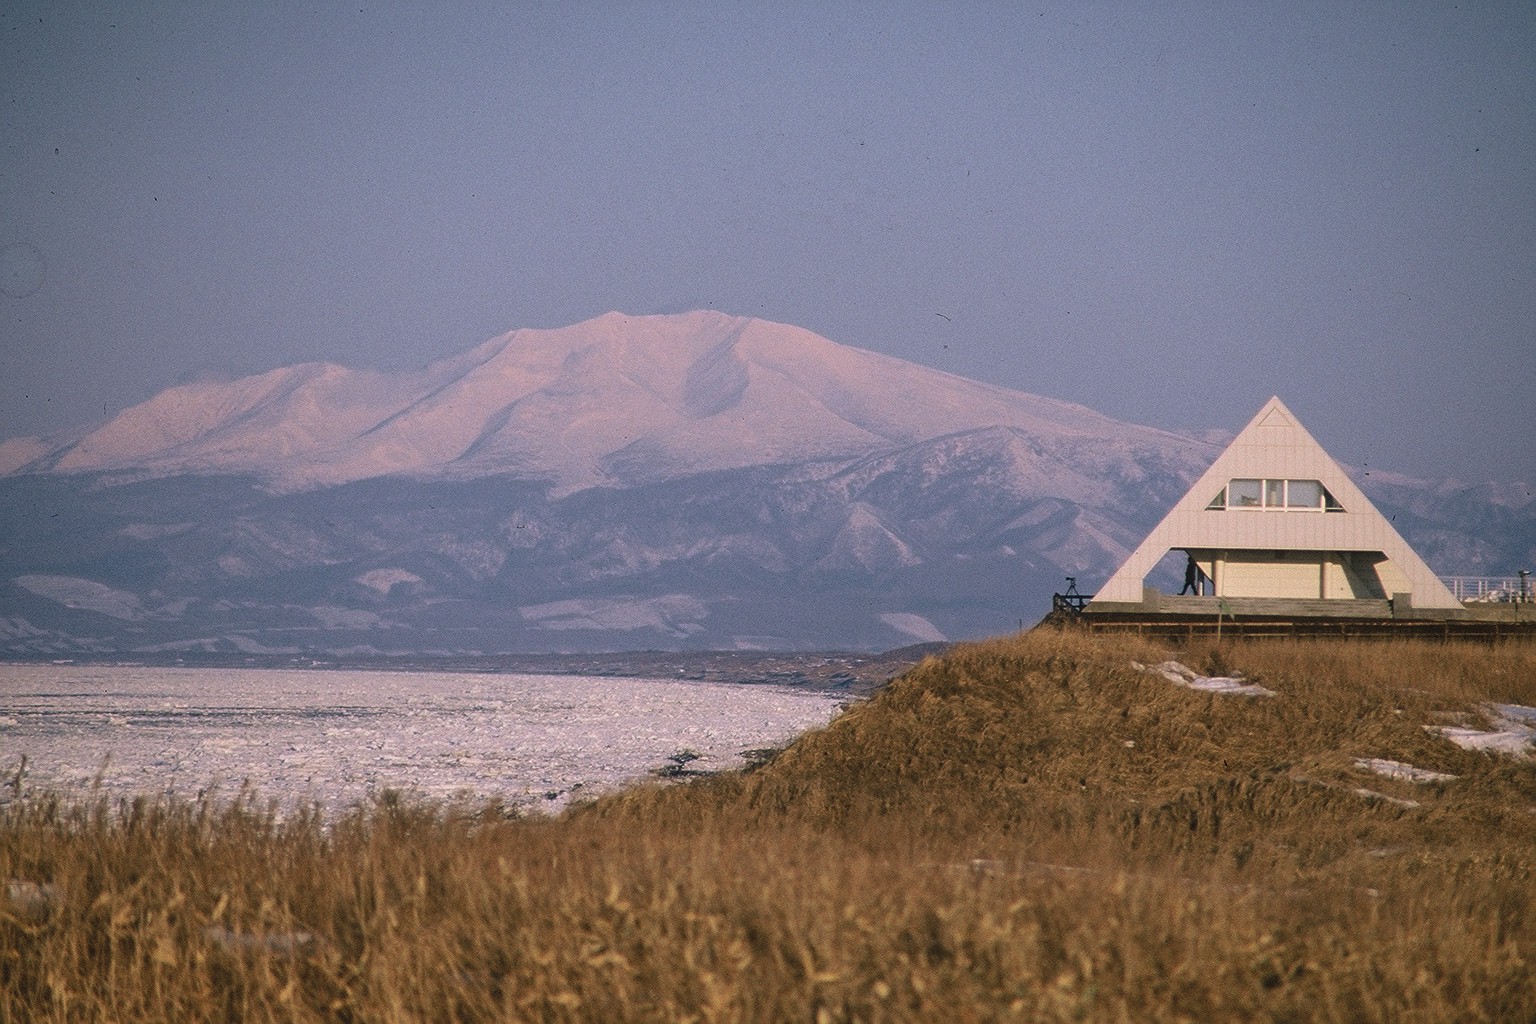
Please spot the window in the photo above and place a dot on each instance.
(1302, 495)
(1244, 493)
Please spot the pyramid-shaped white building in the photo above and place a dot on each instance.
(1275, 518)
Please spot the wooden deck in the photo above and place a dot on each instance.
(1185, 618)
(1171, 626)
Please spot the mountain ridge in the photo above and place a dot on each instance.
(691, 481)
(612, 401)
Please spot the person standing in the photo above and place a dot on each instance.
(1192, 577)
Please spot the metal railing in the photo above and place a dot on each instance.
(1492, 588)
(1071, 602)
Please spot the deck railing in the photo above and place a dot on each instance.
(1071, 602)
(1491, 588)
(1519, 587)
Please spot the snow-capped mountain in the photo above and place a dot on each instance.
(614, 401)
(697, 480)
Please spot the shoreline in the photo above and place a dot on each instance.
(852, 672)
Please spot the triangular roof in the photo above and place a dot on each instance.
(1275, 445)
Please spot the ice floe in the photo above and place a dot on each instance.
(339, 737)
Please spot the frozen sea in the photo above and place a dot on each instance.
(338, 737)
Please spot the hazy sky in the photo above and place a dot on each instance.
(1167, 212)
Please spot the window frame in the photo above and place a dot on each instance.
(1257, 496)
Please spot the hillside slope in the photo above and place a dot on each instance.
(1025, 829)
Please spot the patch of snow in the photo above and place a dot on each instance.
(73, 592)
(248, 645)
(1513, 732)
(864, 542)
(30, 901)
(1402, 771)
(1517, 713)
(149, 531)
(16, 452)
(1395, 801)
(913, 625)
(15, 628)
(332, 617)
(1366, 794)
(174, 609)
(281, 944)
(1175, 672)
(382, 580)
(1229, 685)
(234, 565)
(677, 614)
(750, 642)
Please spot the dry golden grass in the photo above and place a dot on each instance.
(1026, 829)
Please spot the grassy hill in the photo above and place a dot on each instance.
(1029, 828)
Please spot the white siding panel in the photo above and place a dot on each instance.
(1253, 576)
(1393, 579)
(1336, 582)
